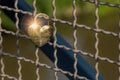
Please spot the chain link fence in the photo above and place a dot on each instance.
(37, 63)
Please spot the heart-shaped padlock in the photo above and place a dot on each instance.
(37, 28)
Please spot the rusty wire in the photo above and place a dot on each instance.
(75, 25)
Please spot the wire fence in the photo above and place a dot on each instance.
(75, 25)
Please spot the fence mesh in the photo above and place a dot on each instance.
(97, 58)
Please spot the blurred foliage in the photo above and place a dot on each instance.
(63, 8)
(45, 6)
(112, 1)
(6, 22)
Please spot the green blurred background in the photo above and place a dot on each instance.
(108, 45)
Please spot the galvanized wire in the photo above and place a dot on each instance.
(55, 39)
(96, 38)
(13, 33)
(1, 50)
(18, 42)
(88, 54)
(37, 61)
(75, 25)
(87, 27)
(67, 48)
(103, 3)
(65, 22)
(1, 38)
(37, 49)
(40, 64)
(15, 10)
(8, 76)
(75, 38)
(34, 6)
(119, 46)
